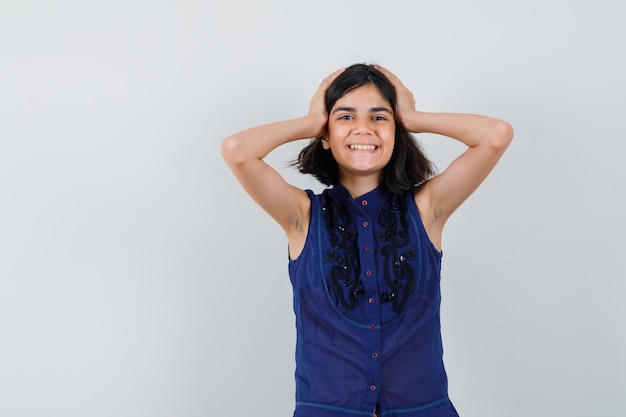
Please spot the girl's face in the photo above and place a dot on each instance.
(361, 132)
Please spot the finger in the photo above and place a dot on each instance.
(392, 77)
(317, 103)
(326, 82)
(330, 78)
(385, 71)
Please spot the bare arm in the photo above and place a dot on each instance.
(244, 153)
(485, 137)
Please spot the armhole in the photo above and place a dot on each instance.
(415, 212)
(307, 238)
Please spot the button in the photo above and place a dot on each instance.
(372, 387)
(366, 249)
(374, 355)
(371, 301)
(368, 273)
(372, 327)
(364, 203)
(365, 223)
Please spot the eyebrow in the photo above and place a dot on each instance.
(353, 110)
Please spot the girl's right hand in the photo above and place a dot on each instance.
(317, 106)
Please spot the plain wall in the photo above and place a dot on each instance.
(138, 279)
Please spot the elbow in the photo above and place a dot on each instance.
(503, 135)
(232, 151)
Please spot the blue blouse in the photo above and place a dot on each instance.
(367, 302)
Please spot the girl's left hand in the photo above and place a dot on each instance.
(406, 101)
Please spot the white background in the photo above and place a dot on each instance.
(138, 279)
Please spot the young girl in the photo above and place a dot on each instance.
(365, 255)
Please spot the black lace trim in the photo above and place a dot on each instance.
(392, 231)
(344, 274)
(398, 274)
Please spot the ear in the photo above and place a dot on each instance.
(325, 142)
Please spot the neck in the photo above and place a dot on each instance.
(360, 185)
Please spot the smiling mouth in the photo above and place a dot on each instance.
(362, 147)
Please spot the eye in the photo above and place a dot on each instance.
(345, 117)
(379, 118)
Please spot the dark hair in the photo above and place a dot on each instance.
(408, 165)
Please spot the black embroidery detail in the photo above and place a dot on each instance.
(344, 273)
(398, 274)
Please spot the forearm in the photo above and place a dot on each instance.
(257, 142)
(254, 144)
(470, 129)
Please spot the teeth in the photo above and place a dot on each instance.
(362, 147)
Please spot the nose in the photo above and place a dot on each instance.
(363, 126)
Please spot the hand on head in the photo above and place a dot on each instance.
(317, 106)
(406, 100)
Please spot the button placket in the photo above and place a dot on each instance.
(372, 308)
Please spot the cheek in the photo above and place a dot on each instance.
(337, 135)
(388, 135)
(390, 140)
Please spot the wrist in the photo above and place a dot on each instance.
(316, 124)
(411, 120)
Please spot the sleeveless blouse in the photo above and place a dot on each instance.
(366, 296)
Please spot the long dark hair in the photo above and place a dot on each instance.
(408, 165)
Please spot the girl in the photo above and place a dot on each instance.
(365, 255)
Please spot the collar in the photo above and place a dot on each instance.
(368, 201)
